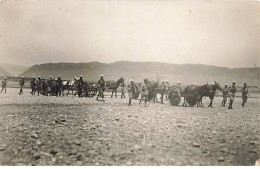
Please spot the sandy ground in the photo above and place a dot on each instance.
(40, 130)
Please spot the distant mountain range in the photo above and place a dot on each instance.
(184, 73)
(3, 72)
(14, 70)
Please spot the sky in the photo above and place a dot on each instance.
(213, 32)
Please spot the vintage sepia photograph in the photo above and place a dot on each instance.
(129, 83)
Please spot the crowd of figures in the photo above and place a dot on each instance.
(148, 90)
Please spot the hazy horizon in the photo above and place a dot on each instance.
(219, 33)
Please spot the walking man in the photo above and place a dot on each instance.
(21, 83)
(4, 84)
(144, 92)
(244, 94)
(225, 95)
(131, 91)
(231, 92)
(101, 87)
(33, 84)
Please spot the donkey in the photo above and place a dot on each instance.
(114, 86)
(210, 92)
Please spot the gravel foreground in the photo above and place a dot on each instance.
(40, 130)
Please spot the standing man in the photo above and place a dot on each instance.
(123, 89)
(59, 85)
(33, 84)
(131, 91)
(101, 87)
(80, 85)
(231, 92)
(39, 85)
(50, 86)
(4, 84)
(21, 83)
(225, 95)
(166, 89)
(244, 94)
(144, 92)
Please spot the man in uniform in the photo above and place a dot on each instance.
(21, 83)
(101, 87)
(39, 85)
(4, 84)
(144, 92)
(33, 84)
(59, 85)
(225, 95)
(131, 91)
(123, 89)
(44, 86)
(244, 94)
(231, 92)
(50, 86)
(80, 85)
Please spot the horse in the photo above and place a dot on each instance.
(210, 92)
(70, 85)
(114, 86)
(192, 94)
(162, 90)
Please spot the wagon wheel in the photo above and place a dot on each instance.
(191, 100)
(174, 97)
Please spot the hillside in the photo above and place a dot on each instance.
(3, 72)
(14, 70)
(185, 73)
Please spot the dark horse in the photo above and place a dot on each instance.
(114, 86)
(192, 94)
(208, 91)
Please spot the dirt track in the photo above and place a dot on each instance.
(81, 131)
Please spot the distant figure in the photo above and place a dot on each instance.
(50, 86)
(21, 83)
(33, 85)
(131, 91)
(59, 86)
(144, 92)
(225, 95)
(231, 92)
(123, 89)
(244, 94)
(44, 87)
(4, 84)
(166, 89)
(38, 85)
(80, 85)
(101, 87)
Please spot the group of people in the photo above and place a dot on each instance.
(230, 92)
(46, 86)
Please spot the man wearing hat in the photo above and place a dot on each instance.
(131, 91)
(231, 92)
(225, 94)
(123, 89)
(4, 84)
(80, 85)
(33, 84)
(101, 87)
(21, 83)
(244, 94)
